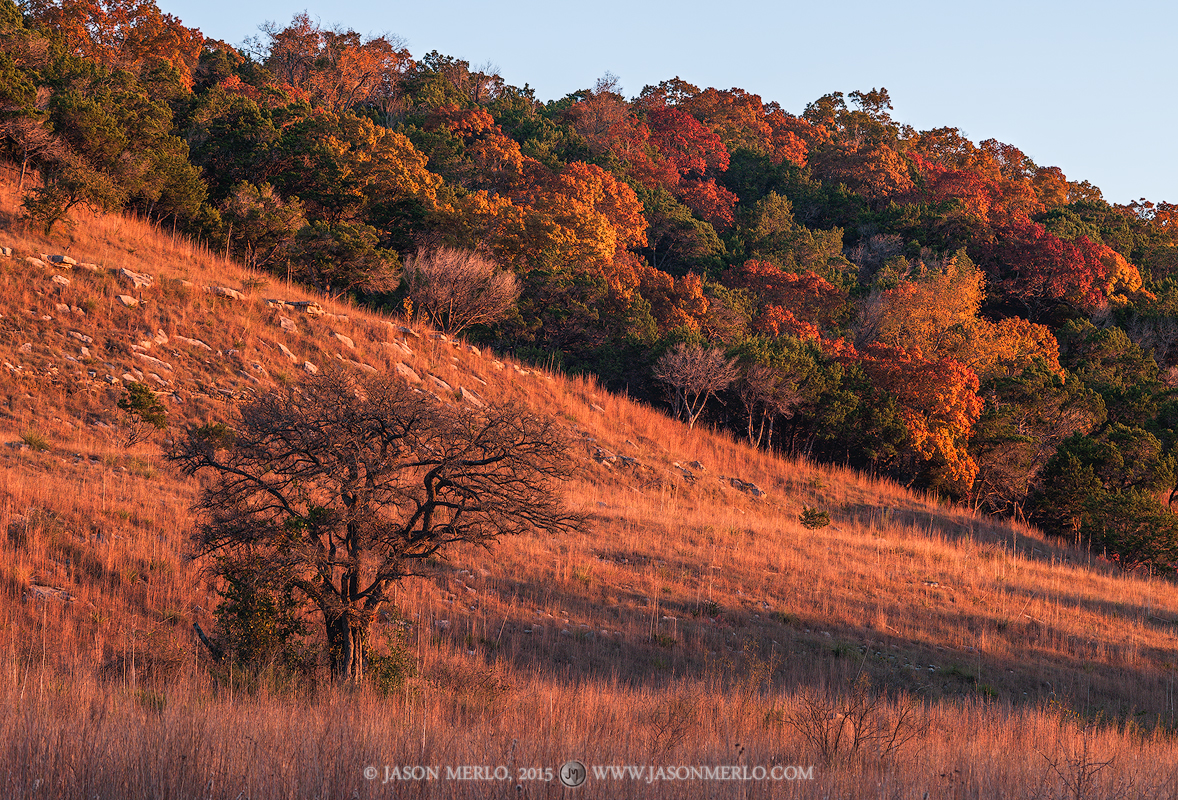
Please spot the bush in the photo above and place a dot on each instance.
(35, 440)
(459, 288)
(145, 412)
(813, 518)
(260, 626)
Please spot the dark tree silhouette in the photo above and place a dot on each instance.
(341, 486)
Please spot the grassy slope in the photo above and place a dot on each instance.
(683, 619)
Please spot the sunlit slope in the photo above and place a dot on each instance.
(692, 556)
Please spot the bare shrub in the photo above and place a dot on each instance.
(839, 725)
(459, 288)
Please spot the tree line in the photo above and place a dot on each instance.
(912, 303)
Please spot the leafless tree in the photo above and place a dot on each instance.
(32, 140)
(766, 393)
(694, 374)
(459, 288)
(1159, 335)
(341, 486)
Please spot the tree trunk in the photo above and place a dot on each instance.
(346, 638)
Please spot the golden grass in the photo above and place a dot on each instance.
(684, 619)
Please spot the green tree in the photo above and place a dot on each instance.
(344, 258)
(261, 224)
(145, 412)
(1134, 529)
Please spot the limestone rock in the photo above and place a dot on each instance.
(137, 280)
(63, 260)
(155, 362)
(400, 348)
(371, 370)
(286, 352)
(287, 324)
(5, 252)
(309, 307)
(471, 397)
(128, 301)
(345, 339)
(61, 280)
(36, 262)
(406, 372)
(192, 342)
(408, 331)
(441, 384)
(311, 368)
(225, 291)
(81, 337)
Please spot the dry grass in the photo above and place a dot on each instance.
(684, 624)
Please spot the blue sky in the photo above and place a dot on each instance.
(1081, 85)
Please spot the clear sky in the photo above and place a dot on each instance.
(1082, 85)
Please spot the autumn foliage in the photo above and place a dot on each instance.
(909, 302)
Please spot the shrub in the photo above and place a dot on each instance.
(813, 518)
(145, 412)
(35, 440)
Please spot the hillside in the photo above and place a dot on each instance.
(683, 623)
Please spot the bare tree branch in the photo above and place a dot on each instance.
(694, 374)
(459, 288)
(344, 484)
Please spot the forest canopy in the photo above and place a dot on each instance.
(911, 303)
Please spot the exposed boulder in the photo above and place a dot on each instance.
(286, 352)
(371, 370)
(61, 280)
(471, 397)
(311, 368)
(407, 372)
(192, 342)
(346, 340)
(136, 280)
(128, 301)
(308, 307)
(225, 291)
(155, 362)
